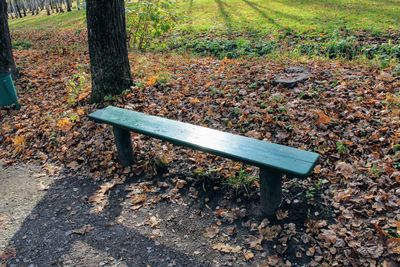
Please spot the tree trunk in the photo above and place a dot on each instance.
(108, 50)
(68, 2)
(7, 64)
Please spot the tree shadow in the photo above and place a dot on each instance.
(190, 8)
(372, 7)
(225, 15)
(46, 236)
(258, 9)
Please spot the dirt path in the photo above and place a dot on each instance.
(43, 227)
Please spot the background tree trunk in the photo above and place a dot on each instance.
(7, 63)
(68, 2)
(107, 48)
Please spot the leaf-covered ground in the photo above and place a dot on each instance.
(346, 213)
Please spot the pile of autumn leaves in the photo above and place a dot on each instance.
(350, 115)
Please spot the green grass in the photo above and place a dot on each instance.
(321, 16)
(62, 21)
(299, 15)
(329, 29)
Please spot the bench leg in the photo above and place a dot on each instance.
(124, 146)
(270, 191)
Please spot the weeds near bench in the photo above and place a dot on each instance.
(242, 181)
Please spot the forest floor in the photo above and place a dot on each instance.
(193, 207)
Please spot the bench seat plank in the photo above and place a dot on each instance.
(240, 148)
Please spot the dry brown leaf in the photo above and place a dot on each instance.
(194, 100)
(280, 215)
(74, 165)
(344, 169)
(43, 187)
(138, 199)
(153, 222)
(227, 248)
(83, 230)
(19, 143)
(322, 117)
(180, 183)
(64, 124)
(211, 231)
(151, 81)
(248, 255)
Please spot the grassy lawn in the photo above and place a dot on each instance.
(258, 16)
(347, 29)
(299, 15)
(67, 20)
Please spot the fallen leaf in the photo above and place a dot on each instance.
(19, 143)
(138, 199)
(211, 231)
(83, 230)
(248, 255)
(151, 81)
(194, 100)
(344, 169)
(227, 248)
(322, 117)
(180, 183)
(280, 215)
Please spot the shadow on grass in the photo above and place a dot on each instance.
(259, 10)
(45, 237)
(225, 15)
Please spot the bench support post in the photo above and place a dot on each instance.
(123, 143)
(270, 191)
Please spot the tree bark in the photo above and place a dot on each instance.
(7, 64)
(68, 2)
(108, 50)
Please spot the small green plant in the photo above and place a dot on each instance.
(163, 78)
(396, 148)
(253, 85)
(204, 177)
(75, 86)
(242, 181)
(396, 165)
(341, 148)
(282, 109)
(312, 190)
(396, 70)
(236, 111)
(277, 98)
(74, 117)
(375, 171)
(262, 104)
(342, 48)
(140, 84)
(21, 44)
(216, 91)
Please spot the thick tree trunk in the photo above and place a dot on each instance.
(108, 50)
(7, 64)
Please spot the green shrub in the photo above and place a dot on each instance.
(148, 21)
(223, 48)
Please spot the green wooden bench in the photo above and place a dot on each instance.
(273, 160)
